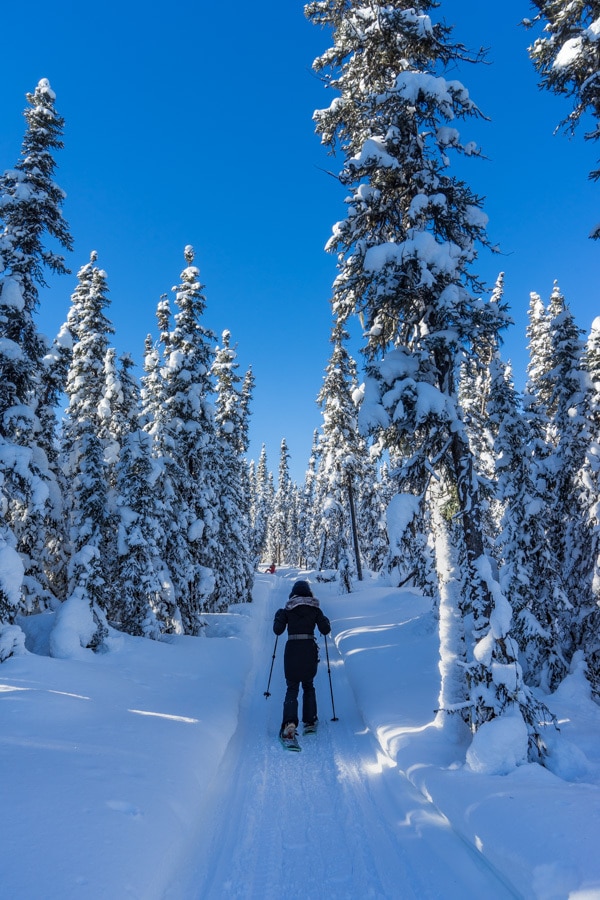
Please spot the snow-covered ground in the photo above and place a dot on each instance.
(154, 771)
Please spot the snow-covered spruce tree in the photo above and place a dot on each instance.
(118, 417)
(246, 393)
(171, 503)
(570, 435)
(152, 387)
(474, 394)
(248, 475)
(119, 409)
(89, 582)
(372, 505)
(12, 638)
(147, 605)
(325, 519)
(538, 388)
(328, 525)
(589, 479)
(384, 488)
(529, 570)
(342, 458)
(251, 482)
(90, 329)
(559, 380)
(263, 501)
(308, 518)
(30, 208)
(172, 544)
(233, 562)
(555, 366)
(279, 528)
(567, 57)
(56, 365)
(185, 443)
(407, 559)
(294, 520)
(405, 252)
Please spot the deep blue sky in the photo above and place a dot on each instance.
(193, 125)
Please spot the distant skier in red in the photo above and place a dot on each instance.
(301, 657)
(270, 570)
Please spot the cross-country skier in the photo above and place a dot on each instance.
(301, 657)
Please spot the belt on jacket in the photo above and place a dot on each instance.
(300, 637)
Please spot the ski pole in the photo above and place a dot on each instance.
(335, 718)
(267, 693)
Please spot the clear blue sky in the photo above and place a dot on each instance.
(192, 124)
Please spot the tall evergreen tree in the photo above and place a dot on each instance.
(530, 573)
(279, 531)
(262, 507)
(570, 436)
(308, 508)
(559, 380)
(152, 387)
(567, 57)
(118, 417)
(147, 603)
(52, 385)
(372, 504)
(342, 463)
(405, 252)
(93, 556)
(589, 483)
(119, 408)
(233, 559)
(91, 329)
(474, 394)
(89, 582)
(248, 474)
(30, 207)
(158, 421)
(540, 365)
(246, 393)
(179, 394)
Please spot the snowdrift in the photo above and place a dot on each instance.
(111, 763)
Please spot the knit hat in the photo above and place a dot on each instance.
(301, 589)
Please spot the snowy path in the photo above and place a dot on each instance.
(334, 821)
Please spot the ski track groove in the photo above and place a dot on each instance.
(328, 822)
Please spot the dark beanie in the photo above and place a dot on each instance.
(301, 589)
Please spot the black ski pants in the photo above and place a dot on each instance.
(300, 662)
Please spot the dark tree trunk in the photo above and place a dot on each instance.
(354, 530)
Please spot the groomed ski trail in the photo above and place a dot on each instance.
(334, 821)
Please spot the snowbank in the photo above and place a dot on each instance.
(537, 827)
(108, 760)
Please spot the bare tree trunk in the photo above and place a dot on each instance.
(322, 550)
(354, 529)
(453, 696)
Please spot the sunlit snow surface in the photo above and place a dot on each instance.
(154, 770)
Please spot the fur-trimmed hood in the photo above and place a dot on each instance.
(296, 600)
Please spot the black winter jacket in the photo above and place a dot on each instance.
(301, 615)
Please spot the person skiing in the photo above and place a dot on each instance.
(300, 615)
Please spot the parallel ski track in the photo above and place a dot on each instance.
(334, 821)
